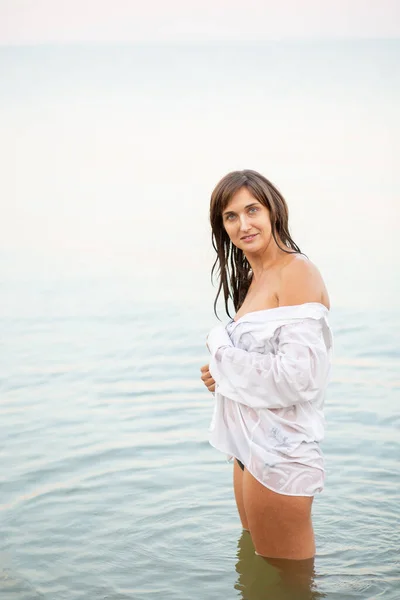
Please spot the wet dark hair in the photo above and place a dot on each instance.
(233, 268)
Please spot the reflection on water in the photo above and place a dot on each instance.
(273, 579)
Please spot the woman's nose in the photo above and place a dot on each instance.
(244, 224)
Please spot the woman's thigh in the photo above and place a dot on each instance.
(280, 525)
(238, 489)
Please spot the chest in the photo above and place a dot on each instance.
(261, 295)
(256, 334)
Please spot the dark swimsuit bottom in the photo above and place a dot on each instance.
(241, 465)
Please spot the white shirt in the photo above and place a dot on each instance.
(271, 369)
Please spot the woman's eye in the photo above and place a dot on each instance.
(253, 209)
(230, 217)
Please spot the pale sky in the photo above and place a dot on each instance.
(110, 154)
(46, 21)
(110, 151)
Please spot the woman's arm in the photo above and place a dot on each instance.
(300, 367)
(296, 373)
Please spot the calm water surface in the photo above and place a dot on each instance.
(110, 490)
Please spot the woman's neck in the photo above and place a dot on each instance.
(260, 263)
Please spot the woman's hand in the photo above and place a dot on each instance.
(207, 379)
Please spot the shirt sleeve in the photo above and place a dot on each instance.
(296, 372)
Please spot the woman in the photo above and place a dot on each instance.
(269, 366)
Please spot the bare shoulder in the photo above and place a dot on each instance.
(301, 282)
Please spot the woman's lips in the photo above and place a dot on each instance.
(249, 238)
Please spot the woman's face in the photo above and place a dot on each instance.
(247, 222)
